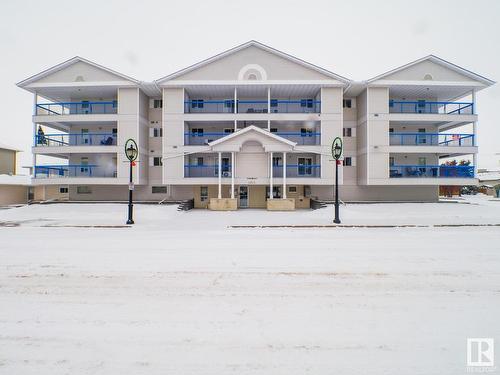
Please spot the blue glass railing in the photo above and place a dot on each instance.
(206, 170)
(301, 138)
(298, 170)
(431, 139)
(71, 170)
(432, 171)
(455, 108)
(76, 139)
(253, 106)
(76, 108)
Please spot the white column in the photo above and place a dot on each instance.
(268, 108)
(220, 175)
(271, 175)
(235, 125)
(235, 100)
(232, 175)
(474, 131)
(284, 175)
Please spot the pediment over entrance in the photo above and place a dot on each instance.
(252, 136)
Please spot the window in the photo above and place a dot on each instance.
(347, 132)
(85, 137)
(347, 103)
(347, 162)
(292, 189)
(304, 166)
(157, 162)
(422, 139)
(308, 103)
(277, 161)
(197, 103)
(85, 104)
(306, 132)
(391, 161)
(159, 189)
(274, 130)
(63, 190)
(157, 132)
(83, 190)
(197, 132)
(84, 162)
(307, 191)
(115, 132)
(274, 102)
(228, 130)
(276, 192)
(391, 130)
(157, 103)
(199, 161)
(204, 193)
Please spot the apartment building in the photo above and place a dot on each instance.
(253, 127)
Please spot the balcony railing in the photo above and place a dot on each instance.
(298, 170)
(71, 170)
(301, 138)
(431, 139)
(76, 139)
(449, 108)
(253, 106)
(431, 171)
(206, 170)
(76, 108)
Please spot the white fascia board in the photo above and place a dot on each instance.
(82, 84)
(385, 83)
(324, 83)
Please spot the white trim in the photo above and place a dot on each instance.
(248, 129)
(68, 63)
(258, 45)
(438, 61)
(186, 83)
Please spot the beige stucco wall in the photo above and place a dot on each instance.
(12, 194)
(7, 161)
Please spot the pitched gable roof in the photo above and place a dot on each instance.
(67, 63)
(258, 45)
(441, 62)
(253, 128)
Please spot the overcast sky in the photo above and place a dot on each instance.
(149, 39)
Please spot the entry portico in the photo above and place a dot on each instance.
(253, 158)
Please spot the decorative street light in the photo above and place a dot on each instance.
(131, 152)
(337, 153)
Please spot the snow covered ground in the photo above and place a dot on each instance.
(181, 293)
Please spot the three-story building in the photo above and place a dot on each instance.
(253, 127)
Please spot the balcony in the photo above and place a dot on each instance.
(206, 170)
(252, 106)
(431, 171)
(298, 171)
(306, 138)
(71, 171)
(422, 106)
(431, 139)
(76, 108)
(75, 139)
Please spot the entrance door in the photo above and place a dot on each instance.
(243, 196)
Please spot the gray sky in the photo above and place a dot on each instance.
(149, 39)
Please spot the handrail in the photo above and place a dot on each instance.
(83, 102)
(423, 134)
(430, 166)
(432, 107)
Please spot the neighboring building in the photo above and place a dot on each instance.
(253, 120)
(489, 182)
(13, 188)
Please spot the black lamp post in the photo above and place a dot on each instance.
(337, 153)
(131, 153)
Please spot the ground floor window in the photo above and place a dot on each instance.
(159, 189)
(83, 190)
(292, 189)
(276, 192)
(204, 193)
(63, 189)
(347, 161)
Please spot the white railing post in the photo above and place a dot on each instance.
(271, 175)
(220, 176)
(232, 175)
(284, 175)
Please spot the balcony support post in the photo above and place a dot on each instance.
(219, 195)
(270, 175)
(268, 104)
(232, 174)
(235, 100)
(284, 175)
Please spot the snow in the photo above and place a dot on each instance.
(181, 293)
